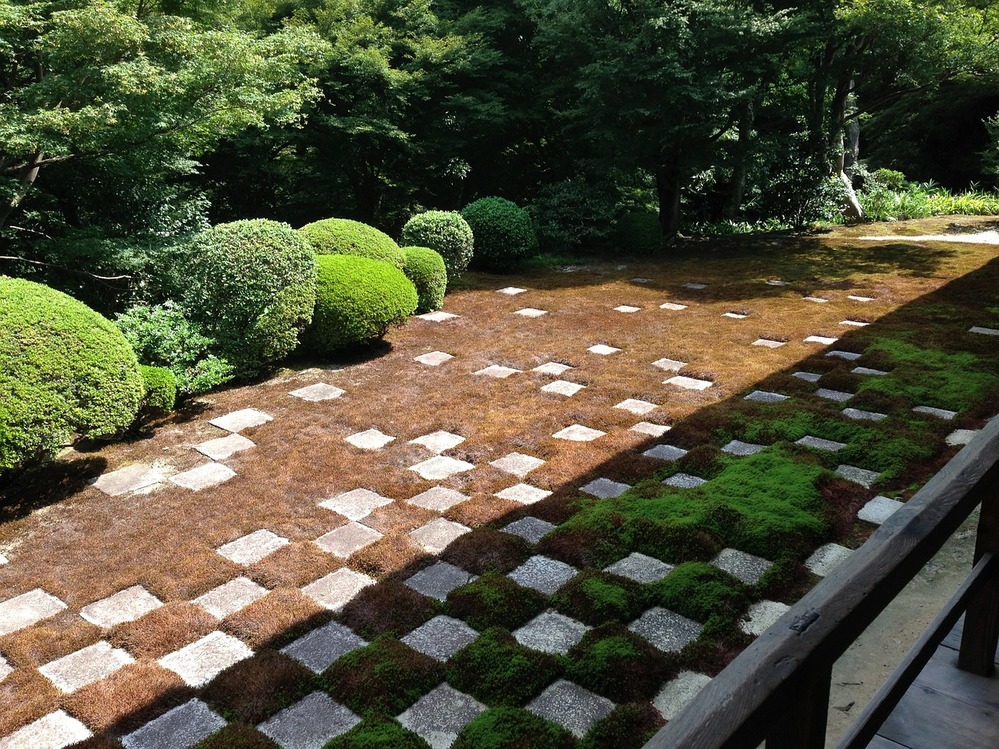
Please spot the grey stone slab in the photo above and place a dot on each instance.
(321, 391)
(653, 430)
(761, 616)
(679, 693)
(859, 298)
(433, 359)
(695, 286)
(854, 323)
(603, 488)
(641, 280)
(530, 529)
(552, 368)
(438, 580)
(824, 340)
(347, 539)
(688, 383)
(525, 494)
(570, 706)
(562, 387)
(636, 406)
(124, 606)
(543, 574)
(808, 376)
(734, 315)
(983, 331)
(438, 534)
(879, 509)
(826, 558)
(203, 476)
(776, 282)
(202, 660)
(245, 418)
(665, 452)
(848, 355)
(833, 395)
(738, 447)
(438, 499)
(578, 433)
(369, 439)
(551, 632)
(961, 436)
(85, 666)
(860, 415)
(940, 413)
(322, 647)
(627, 308)
(337, 589)
(180, 728)
(129, 479)
(603, 349)
(684, 481)
(230, 597)
(640, 568)
(440, 467)
(4, 560)
(438, 316)
(858, 475)
(223, 447)
(531, 312)
(27, 609)
(252, 547)
(673, 306)
(497, 371)
(670, 365)
(438, 441)
(511, 290)
(765, 396)
(517, 463)
(818, 443)
(356, 504)
(5, 668)
(746, 567)
(439, 716)
(769, 343)
(54, 731)
(441, 637)
(869, 371)
(309, 724)
(816, 299)
(666, 630)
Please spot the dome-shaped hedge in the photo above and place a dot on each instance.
(638, 233)
(357, 299)
(444, 232)
(341, 236)
(251, 284)
(66, 370)
(504, 234)
(425, 268)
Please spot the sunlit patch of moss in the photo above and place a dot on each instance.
(597, 597)
(494, 600)
(498, 670)
(699, 591)
(618, 664)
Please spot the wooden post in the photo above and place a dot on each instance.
(801, 721)
(981, 621)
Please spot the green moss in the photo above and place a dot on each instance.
(698, 591)
(504, 233)
(597, 597)
(494, 600)
(341, 236)
(445, 232)
(498, 670)
(376, 733)
(237, 736)
(618, 664)
(425, 268)
(512, 728)
(160, 389)
(627, 727)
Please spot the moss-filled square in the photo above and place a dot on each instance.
(594, 597)
(618, 664)
(497, 670)
(387, 608)
(701, 591)
(378, 733)
(512, 728)
(494, 601)
(487, 550)
(256, 688)
(629, 726)
(237, 736)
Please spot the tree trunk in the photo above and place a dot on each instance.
(851, 207)
(26, 178)
(668, 191)
(737, 189)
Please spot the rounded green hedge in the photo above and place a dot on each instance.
(66, 371)
(504, 234)
(160, 389)
(426, 269)
(357, 300)
(341, 236)
(444, 232)
(251, 285)
(638, 233)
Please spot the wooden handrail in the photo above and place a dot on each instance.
(777, 690)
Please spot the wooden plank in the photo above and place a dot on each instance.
(981, 622)
(804, 723)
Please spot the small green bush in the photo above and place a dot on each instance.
(498, 670)
(638, 233)
(512, 728)
(444, 232)
(357, 300)
(504, 234)
(425, 268)
(66, 370)
(160, 389)
(341, 236)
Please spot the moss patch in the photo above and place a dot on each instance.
(616, 663)
(628, 726)
(388, 608)
(498, 670)
(512, 728)
(237, 736)
(255, 689)
(700, 591)
(487, 550)
(376, 733)
(597, 597)
(494, 600)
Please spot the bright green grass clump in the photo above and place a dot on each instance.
(512, 728)
(375, 733)
(498, 670)
(699, 591)
(597, 597)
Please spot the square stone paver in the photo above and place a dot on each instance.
(543, 574)
(858, 298)
(433, 359)
(252, 547)
(679, 693)
(961, 436)
(745, 567)
(769, 343)
(640, 568)
(347, 539)
(180, 728)
(369, 439)
(858, 475)
(641, 280)
(511, 290)
(673, 306)
(129, 479)
(438, 441)
(441, 637)
(983, 331)
(695, 286)
(5, 668)
(551, 632)
(436, 535)
(27, 609)
(530, 529)
(497, 371)
(440, 467)
(776, 282)
(854, 323)
(666, 630)
(627, 308)
(826, 558)
(869, 371)
(309, 724)
(738, 447)
(940, 413)
(847, 355)
(438, 499)
(356, 504)
(531, 312)
(438, 580)
(833, 395)
(858, 414)
(637, 407)
(734, 315)
(202, 660)
(578, 433)
(605, 488)
(879, 509)
(124, 606)
(322, 647)
(765, 396)
(517, 463)
(824, 340)
(684, 481)
(761, 616)
(245, 418)
(439, 716)
(337, 589)
(820, 444)
(562, 387)
(523, 493)
(223, 447)
(603, 349)
(231, 597)
(552, 368)
(808, 376)
(321, 391)
(816, 299)
(653, 430)
(438, 316)
(572, 707)
(689, 383)
(85, 666)
(55, 731)
(203, 476)
(670, 365)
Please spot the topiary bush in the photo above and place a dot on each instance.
(357, 300)
(425, 268)
(446, 233)
(341, 236)
(251, 285)
(66, 371)
(504, 234)
(160, 389)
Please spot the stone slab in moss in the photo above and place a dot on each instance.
(337, 589)
(530, 529)
(562, 387)
(552, 368)
(224, 447)
(322, 647)
(679, 692)
(202, 660)
(640, 567)
(438, 580)
(688, 383)
(439, 441)
(438, 499)
(531, 312)
(203, 476)
(433, 359)
(543, 574)
(441, 467)
(356, 504)
(665, 452)
(578, 433)
(666, 630)
(85, 666)
(321, 391)
(311, 722)
(826, 558)
(124, 606)
(748, 568)
(807, 376)
(438, 717)
(848, 355)
(879, 509)
(742, 449)
(441, 637)
(604, 488)
(181, 727)
(245, 418)
(230, 597)
(765, 396)
(551, 633)
(369, 439)
(348, 539)
(497, 371)
(437, 535)
(833, 395)
(761, 616)
(570, 706)
(437, 316)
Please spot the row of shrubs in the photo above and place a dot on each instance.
(244, 295)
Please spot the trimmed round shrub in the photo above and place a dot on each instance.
(251, 285)
(341, 236)
(66, 371)
(504, 234)
(160, 389)
(425, 268)
(444, 232)
(357, 300)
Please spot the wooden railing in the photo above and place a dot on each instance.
(777, 690)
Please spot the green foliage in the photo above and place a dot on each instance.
(445, 232)
(888, 196)
(66, 371)
(699, 591)
(160, 389)
(638, 233)
(494, 600)
(378, 733)
(341, 236)
(251, 285)
(512, 728)
(504, 234)
(357, 300)
(575, 212)
(618, 664)
(498, 670)
(426, 269)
